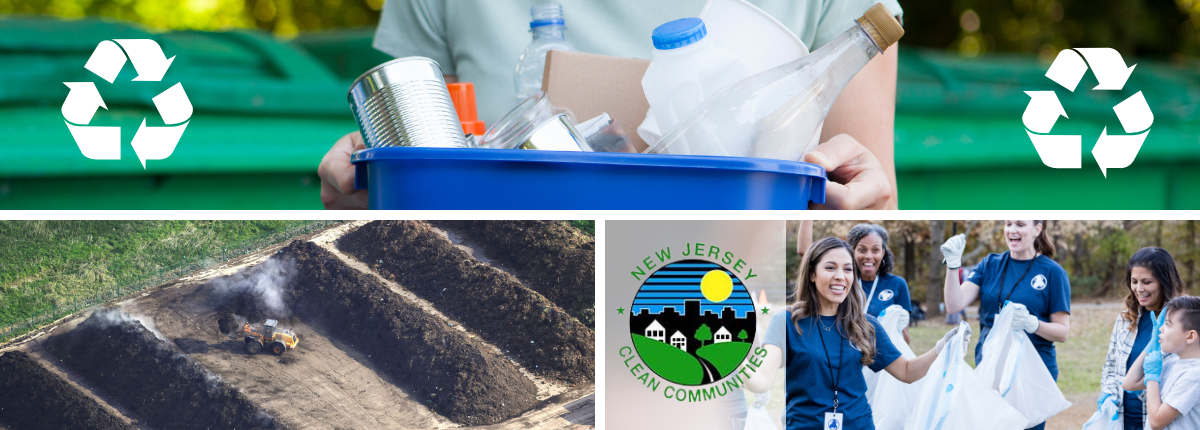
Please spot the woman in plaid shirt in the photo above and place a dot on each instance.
(1152, 281)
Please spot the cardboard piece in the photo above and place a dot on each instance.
(591, 84)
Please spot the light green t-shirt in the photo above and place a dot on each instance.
(481, 40)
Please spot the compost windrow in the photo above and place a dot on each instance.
(491, 302)
(444, 368)
(153, 378)
(553, 258)
(34, 398)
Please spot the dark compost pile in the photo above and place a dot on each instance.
(553, 258)
(544, 338)
(152, 377)
(34, 398)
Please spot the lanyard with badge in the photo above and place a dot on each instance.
(833, 420)
(1004, 274)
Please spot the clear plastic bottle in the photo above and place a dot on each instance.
(779, 113)
(549, 33)
(687, 68)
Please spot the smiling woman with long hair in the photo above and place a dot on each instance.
(829, 340)
(1152, 281)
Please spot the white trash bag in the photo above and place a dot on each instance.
(1011, 366)
(757, 418)
(1107, 417)
(892, 400)
(953, 397)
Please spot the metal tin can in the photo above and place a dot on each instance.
(404, 102)
(555, 134)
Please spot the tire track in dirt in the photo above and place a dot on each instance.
(306, 387)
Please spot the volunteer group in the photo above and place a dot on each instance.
(1151, 375)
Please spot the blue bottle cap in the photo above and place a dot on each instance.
(678, 33)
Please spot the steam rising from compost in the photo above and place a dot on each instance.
(264, 283)
(108, 317)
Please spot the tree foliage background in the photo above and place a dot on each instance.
(1094, 253)
(1148, 28)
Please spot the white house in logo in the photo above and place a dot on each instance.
(1039, 282)
(657, 332)
(886, 295)
(722, 336)
(678, 340)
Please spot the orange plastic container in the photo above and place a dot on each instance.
(463, 95)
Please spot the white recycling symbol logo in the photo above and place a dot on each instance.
(1112, 151)
(103, 142)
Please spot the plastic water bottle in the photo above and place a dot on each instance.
(687, 68)
(779, 113)
(549, 33)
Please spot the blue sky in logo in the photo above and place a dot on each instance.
(674, 283)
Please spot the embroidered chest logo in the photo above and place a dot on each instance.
(1039, 282)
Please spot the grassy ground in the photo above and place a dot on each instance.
(587, 226)
(1079, 358)
(44, 264)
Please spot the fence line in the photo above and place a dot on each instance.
(148, 280)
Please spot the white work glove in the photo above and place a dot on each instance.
(952, 251)
(1023, 320)
(761, 399)
(941, 343)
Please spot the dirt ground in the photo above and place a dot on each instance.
(322, 384)
(317, 385)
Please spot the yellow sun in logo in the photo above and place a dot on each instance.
(716, 286)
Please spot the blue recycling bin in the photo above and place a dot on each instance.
(478, 179)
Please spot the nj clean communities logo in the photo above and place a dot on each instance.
(104, 142)
(692, 324)
(1112, 151)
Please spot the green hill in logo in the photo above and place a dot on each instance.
(726, 356)
(669, 362)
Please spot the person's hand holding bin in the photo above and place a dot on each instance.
(856, 177)
(337, 175)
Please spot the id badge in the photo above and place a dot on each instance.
(833, 421)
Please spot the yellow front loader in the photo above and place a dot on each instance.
(275, 339)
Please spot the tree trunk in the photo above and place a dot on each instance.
(1081, 255)
(910, 258)
(1191, 251)
(933, 298)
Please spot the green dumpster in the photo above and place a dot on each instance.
(265, 112)
(961, 144)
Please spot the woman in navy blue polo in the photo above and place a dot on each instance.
(1024, 274)
(830, 339)
(875, 259)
